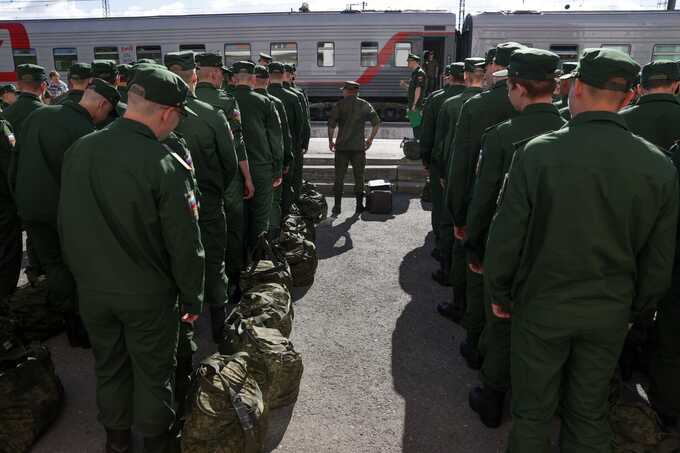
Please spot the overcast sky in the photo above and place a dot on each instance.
(18, 9)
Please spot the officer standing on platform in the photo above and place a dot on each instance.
(417, 87)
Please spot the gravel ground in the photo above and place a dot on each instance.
(382, 371)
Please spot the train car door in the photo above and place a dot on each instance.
(434, 68)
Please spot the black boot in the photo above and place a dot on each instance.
(469, 351)
(117, 440)
(360, 204)
(488, 403)
(218, 314)
(459, 305)
(337, 206)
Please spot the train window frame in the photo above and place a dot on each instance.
(151, 53)
(319, 52)
(616, 46)
(195, 48)
(369, 45)
(276, 53)
(107, 50)
(674, 56)
(58, 53)
(571, 56)
(33, 55)
(395, 60)
(229, 60)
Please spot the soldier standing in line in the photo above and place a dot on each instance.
(582, 244)
(288, 78)
(477, 114)
(417, 86)
(130, 198)
(264, 141)
(531, 83)
(265, 59)
(124, 75)
(79, 78)
(11, 244)
(349, 115)
(107, 71)
(8, 95)
(564, 85)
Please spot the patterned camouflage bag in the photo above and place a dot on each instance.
(296, 224)
(31, 396)
(37, 320)
(267, 265)
(226, 408)
(312, 203)
(268, 305)
(301, 257)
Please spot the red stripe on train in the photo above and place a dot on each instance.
(19, 40)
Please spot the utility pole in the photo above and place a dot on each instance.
(106, 8)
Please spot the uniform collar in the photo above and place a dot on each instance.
(80, 109)
(260, 90)
(205, 85)
(588, 117)
(276, 84)
(501, 83)
(416, 70)
(450, 88)
(29, 95)
(540, 108)
(135, 126)
(474, 89)
(658, 97)
(242, 88)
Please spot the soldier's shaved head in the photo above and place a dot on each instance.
(584, 97)
(96, 104)
(159, 118)
(212, 75)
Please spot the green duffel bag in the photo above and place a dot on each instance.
(226, 410)
(267, 265)
(31, 396)
(275, 364)
(269, 305)
(312, 203)
(301, 257)
(296, 224)
(37, 319)
(637, 429)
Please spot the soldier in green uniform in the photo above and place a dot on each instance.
(451, 249)
(564, 85)
(656, 115)
(130, 199)
(531, 83)
(349, 115)
(263, 139)
(107, 71)
(210, 78)
(8, 95)
(289, 71)
(46, 135)
(296, 119)
(228, 82)
(265, 59)
(146, 61)
(11, 243)
(260, 86)
(454, 84)
(477, 114)
(417, 86)
(79, 78)
(488, 68)
(124, 73)
(582, 244)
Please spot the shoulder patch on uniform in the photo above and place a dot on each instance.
(178, 158)
(192, 203)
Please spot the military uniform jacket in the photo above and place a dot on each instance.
(7, 142)
(123, 93)
(261, 129)
(586, 226)
(19, 111)
(288, 155)
(350, 114)
(418, 80)
(70, 96)
(306, 121)
(46, 135)
(294, 113)
(494, 160)
(431, 110)
(128, 217)
(222, 100)
(565, 113)
(656, 117)
(478, 113)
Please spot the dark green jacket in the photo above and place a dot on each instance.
(586, 227)
(288, 155)
(655, 117)
(494, 161)
(431, 110)
(19, 111)
(128, 217)
(418, 79)
(565, 113)
(478, 113)
(7, 141)
(306, 120)
(227, 103)
(46, 135)
(349, 115)
(70, 96)
(261, 129)
(294, 113)
(123, 93)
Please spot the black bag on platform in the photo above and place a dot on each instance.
(379, 197)
(411, 148)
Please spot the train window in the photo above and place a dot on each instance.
(325, 54)
(152, 52)
(666, 52)
(401, 51)
(64, 57)
(369, 53)
(196, 48)
(236, 52)
(625, 48)
(285, 52)
(566, 52)
(106, 53)
(24, 56)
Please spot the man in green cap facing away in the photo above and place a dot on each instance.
(349, 115)
(416, 86)
(79, 78)
(46, 135)
(656, 115)
(476, 115)
(582, 244)
(288, 78)
(531, 83)
(263, 139)
(142, 219)
(8, 95)
(228, 82)
(124, 73)
(563, 102)
(107, 71)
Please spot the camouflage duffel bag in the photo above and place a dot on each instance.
(312, 203)
(637, 429)
(268, 305)
(226, 407)
(267, 265)
(276, 365)
(31, 396)
(37, 319)
(296, 224)
(301, 257)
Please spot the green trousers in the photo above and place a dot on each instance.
(186, 347)
(134, 341)
(287, 193)
(258, 208)
(297, 170)
(342, 161)
(437, 195)
(234, 214)
(665, 366)
(570, 368)
(495, 347)
(473, 320)
(214, 238)
(11, 246)
(275, 213)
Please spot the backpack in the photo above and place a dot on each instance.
(267, 265)
(312, 203)
(411, 148)
(36, 319)
(301, 257)
(268, 305)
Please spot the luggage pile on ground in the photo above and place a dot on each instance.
(29, 308)
(312, 203)
(300, 255)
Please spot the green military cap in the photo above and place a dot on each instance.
(660, 70)
(568, 66)
(244, 67)
(184, 60)
(490, 55)
(31, 73)
(531, 64)
(157, 84)
(268, 58)
(261, 72)
(124, 70)
(276, 66)
(104, 69)
(288, 68)
(106, 90)
(7, 88)
(474, 64)
(349, 85)
(503, 52)
(80, 71)
(413, 57)
(209, 59)
(147, 60)
(598, 66)
(457, 68)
